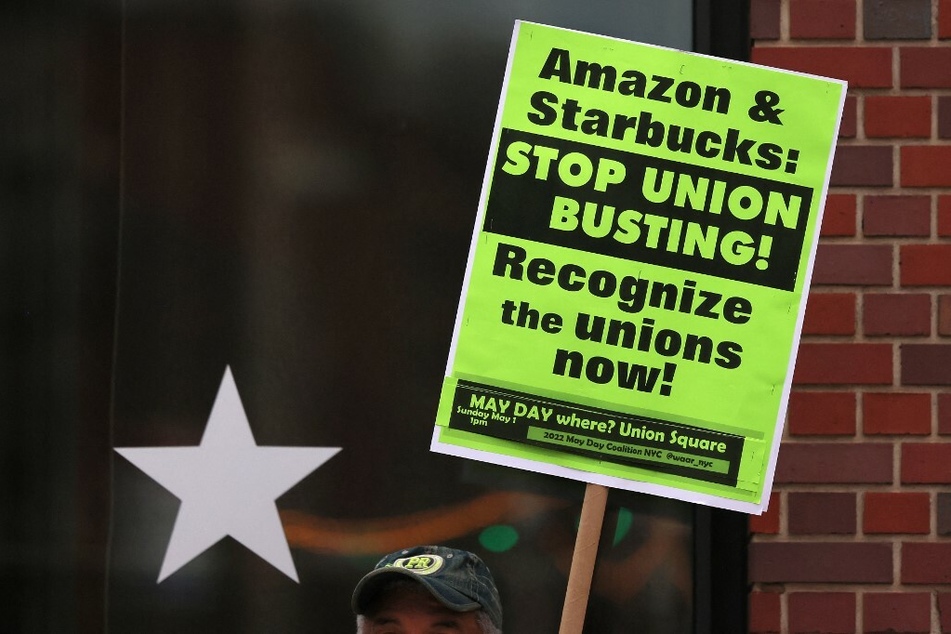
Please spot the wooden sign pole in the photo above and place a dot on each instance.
(582, 561)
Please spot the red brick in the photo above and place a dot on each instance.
(925, 364)
(926, 463)
(896, 204)
(902, 216)
(925, 265)
(820, 562)
(944, 315)
(821, 513)
(843, 364)
(862, 166)
(944, 27)
(853, 264)
(830, 314)
(838, 218)
(897, 116)
(944, 216)
(887, 512)
(926, 165)
(944, 413)
(848, 126)
(768, 522)
(925, 67)
(926, 562)
(862, 67)
(944, 598)
(906, 612)
(822, 19)
(765, 613)
(764, 19)
(822, 413)
(834, 463)
(826, 612)
(896, 413)
(891, 314)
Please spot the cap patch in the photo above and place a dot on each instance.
(420, 564)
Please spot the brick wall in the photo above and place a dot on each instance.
(858, 534)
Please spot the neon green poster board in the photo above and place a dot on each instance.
(638, 269)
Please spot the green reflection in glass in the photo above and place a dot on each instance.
(624, 520)
(498, 538)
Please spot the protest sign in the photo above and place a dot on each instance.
(638, 270)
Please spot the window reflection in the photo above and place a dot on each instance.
(298, 186)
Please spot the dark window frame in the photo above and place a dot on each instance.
(721, 29)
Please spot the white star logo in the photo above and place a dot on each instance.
(228, 485)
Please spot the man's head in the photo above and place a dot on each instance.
(428, 589)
